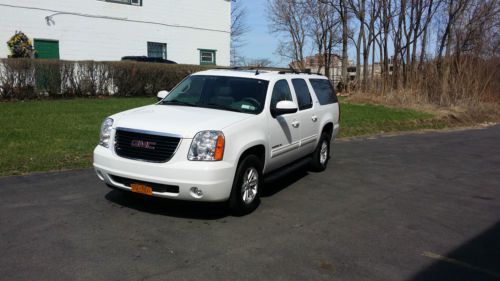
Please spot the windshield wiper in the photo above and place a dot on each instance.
(177, 102)
(218, 106)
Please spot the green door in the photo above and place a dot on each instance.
(48, 76)
(46, 49)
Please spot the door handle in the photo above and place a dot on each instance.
(314, 118)
(295, 124)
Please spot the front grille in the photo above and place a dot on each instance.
(155, 186)
(145, 146)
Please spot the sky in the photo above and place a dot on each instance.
(260, 43)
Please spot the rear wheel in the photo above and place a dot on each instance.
(245, 194)
(321, 155)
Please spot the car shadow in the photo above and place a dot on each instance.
(478, 259)
(273, 184)
(286, 177)
(168, 207)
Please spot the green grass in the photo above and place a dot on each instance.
(369, 119)
(53, 135)
(61, 134)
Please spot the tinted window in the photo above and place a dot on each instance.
(303, 95)
(220, 92)
(324, 91)
(281, 92)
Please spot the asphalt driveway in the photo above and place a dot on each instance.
(413, 207)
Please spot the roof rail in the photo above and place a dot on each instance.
(280, 70)
(295, 71)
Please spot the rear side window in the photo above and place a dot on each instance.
(281, 92)
(303, 95)
(324, 91)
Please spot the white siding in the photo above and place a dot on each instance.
(185, 26)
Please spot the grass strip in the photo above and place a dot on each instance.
(61, 134)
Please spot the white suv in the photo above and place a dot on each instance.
(217, 133)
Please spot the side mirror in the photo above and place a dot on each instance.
(284, 107)
(161, 95)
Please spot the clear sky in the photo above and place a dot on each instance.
(260, 43)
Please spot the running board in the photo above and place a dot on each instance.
(286, 170)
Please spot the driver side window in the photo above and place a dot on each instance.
(281, 92)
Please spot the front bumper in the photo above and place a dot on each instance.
(336, 129)
(214, 179)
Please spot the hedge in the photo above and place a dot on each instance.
(24, 79)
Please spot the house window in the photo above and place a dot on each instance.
(129, 2)
(207, 56)
(157, 50)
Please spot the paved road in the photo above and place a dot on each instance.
(414, 207)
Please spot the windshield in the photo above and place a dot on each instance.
(220, 92)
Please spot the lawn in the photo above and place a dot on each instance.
(61, 134)
(369, 119)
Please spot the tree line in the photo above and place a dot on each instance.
(410, 39)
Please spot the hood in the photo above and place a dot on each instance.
(180, 120)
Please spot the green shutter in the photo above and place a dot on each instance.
(46, 49)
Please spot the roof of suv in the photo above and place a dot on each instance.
(261, 74)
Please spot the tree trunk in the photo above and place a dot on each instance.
(344, 42)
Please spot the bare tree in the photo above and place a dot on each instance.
(385, 22)
(323, 28)
(289, 17)
(341, 7)
(239, 29)
(261, 62)
(373, 14)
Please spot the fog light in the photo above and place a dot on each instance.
(100, 175)
(196, 192)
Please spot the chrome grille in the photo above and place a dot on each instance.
(146, 146)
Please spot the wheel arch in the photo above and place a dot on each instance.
(258, 150)
(328, 128)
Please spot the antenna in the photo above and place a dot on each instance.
(257, 72)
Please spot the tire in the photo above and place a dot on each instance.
(321, 155)
(245, 193)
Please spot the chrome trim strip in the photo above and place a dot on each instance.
(309, 140)
(284, 149)
(149, 132)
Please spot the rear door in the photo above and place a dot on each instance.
(284, 130)
(307, 116)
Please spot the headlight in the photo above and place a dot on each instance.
(207, 146)
(106, 129)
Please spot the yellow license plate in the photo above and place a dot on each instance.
(141, 188)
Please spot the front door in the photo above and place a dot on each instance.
(47, 75)
(284, 130)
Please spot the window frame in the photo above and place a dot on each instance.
(165, 51)
(333, 98)
(271, 107)
(214, 55)
(124, 3)
(302, 107)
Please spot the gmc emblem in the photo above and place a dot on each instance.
(143, 144)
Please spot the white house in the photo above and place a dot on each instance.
(185, 31)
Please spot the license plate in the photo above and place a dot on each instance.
(141, 188)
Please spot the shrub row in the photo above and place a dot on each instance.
(23, 79)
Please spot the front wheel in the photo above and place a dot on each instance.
(321, 155)
(245, 194)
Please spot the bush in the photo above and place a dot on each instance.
(23, 79)
(20, 46)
